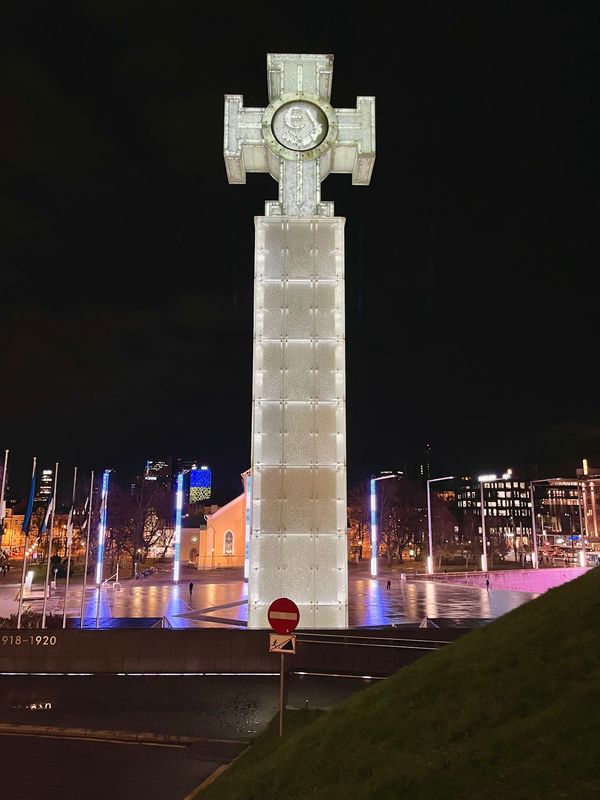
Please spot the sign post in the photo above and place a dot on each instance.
(283, 616)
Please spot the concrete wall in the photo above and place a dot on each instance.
(209, 650)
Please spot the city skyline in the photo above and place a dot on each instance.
(127, 277)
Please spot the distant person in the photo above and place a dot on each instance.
(191, 589)
(389, 584)
(487, 584)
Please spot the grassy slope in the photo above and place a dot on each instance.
(511, 710)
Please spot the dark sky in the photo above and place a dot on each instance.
(127, 259)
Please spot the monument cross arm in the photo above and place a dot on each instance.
(299, 138)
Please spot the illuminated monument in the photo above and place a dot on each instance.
(297, 520)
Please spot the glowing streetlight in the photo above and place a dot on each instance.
(374, 522)
(534, 555)
(177, 535)
(430, 551)
(102, 527)
(486, 479)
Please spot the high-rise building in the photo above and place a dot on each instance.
(159, 471)
(200, 484)
(45, 486)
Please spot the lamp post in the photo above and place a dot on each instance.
(430, 550)
(177, 533)
(536, 563)
(374, 525)
(485, 479)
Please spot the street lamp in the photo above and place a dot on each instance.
(536, 562)
(177, 534)
(485, 479)
(430, 551)
(374, 522)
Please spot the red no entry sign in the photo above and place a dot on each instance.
(283, 615)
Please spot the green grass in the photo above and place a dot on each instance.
(511, 711)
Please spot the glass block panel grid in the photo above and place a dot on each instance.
(298, 526)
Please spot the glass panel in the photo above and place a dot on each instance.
(269, 385)
(298, 503)
(299, 437)
(324, 300)
(273, 313)
(271, 430)
(269, 248)
(299, 375)
(299, 315)
(299, 242)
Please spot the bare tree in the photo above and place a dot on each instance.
(139, 519)
(469, 543)
(443, 528)
(401, 503)
(358, 518)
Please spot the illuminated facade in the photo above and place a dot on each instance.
(158, 472)
(221, 544)
(45, 486)
(589, 482)
(13, 541)
(297, 542)
(200, 484)
(507, 510)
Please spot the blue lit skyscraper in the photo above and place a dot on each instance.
(200, 484)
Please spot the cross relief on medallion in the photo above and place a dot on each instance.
(299, 138)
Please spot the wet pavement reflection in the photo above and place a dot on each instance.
(219, 598)
(224, 603)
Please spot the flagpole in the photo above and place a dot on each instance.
(101, 537)
(69, 547)
(50, 534)
(87, 550)
(2, 502)
(20, 612)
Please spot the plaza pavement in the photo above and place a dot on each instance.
(219, 599)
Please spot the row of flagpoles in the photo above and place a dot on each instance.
(47, 524)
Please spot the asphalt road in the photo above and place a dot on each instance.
(44, 768)
(222, 707)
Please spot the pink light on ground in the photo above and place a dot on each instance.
(518, 580)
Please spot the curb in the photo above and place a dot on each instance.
(211, 778)
(141, 737)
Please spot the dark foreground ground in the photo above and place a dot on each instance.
(44, 769)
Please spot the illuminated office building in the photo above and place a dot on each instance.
(506, 506)
(158, 471)
(45, 486)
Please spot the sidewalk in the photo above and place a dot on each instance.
(219, 598)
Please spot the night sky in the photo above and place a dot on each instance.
(127, 259)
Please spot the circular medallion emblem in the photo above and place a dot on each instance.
(299, 125)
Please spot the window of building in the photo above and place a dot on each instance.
(229, 543)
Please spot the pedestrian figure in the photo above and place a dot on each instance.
(389, 584)
(487, 584)
(191, 589)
